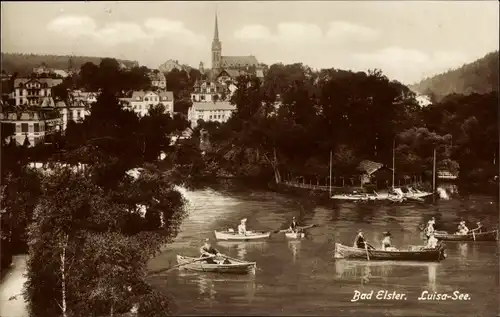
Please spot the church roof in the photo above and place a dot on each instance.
(232, 72)
(238, 61)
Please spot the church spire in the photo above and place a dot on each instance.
(216, 31)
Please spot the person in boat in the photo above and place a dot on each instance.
(294, 226)
(430, 228)
(387, 243)
(462, 228)
(360, 241)
(432, 241)
(242, 227)
(207, 250)
(479, 228)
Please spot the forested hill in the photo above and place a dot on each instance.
(480, 76)
(23, 64)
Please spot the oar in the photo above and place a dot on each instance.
(367, 254)
(179, 265)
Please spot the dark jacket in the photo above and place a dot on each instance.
(360, 242)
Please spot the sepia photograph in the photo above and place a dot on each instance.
(249, 158)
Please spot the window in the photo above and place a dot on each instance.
(24, 127)
(146, 99)
(37, 127)
(210, 116)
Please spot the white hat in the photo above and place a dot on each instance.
(244, 220)
(207, 240)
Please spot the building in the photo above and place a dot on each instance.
(232, 65)
(210, 111)
(33, 126)
(207, 91)
(87, 97)
(171, 64)
(142, 101)
(158, 80)
(31, 91)
(75, 111)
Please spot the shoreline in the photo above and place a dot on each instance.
(12, 285)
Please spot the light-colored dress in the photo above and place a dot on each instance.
(432, 242)
(242, 229)
(386, 244)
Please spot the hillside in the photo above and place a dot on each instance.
(480, 76)
(23, 64)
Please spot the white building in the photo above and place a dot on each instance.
(142, 101)
(423, 101)
(32, 125)
(210, 111)
(76, 111)
(31, 91)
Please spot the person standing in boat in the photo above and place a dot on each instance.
(430, 228)
(479, 228)
(207, 250)
(432, 242)
(242, 227)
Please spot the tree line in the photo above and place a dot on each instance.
(292, 120)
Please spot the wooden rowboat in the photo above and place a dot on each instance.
(235, 236)
(234, 267)
(419, 253)
(480, 236)
(294, 235)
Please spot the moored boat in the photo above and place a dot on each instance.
(232, 266)
(294, 235)
(414, 253)
(480, 236)
(235, 236)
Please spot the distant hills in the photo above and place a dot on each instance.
(480, 76)
(23, 64)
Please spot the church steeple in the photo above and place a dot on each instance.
(216, 31)
(216, 47)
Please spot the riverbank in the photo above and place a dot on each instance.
(11, 287)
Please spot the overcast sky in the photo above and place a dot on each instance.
(408, 40)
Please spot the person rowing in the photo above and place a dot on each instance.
(479, 228)
(294, 226)
(207, 250)
(360, 241)
(242, 227)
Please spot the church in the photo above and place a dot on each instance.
(228, 68)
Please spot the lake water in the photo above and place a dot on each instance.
(303, 278)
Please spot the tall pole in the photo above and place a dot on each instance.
(393, 160)
(330, 187)
(434, 172)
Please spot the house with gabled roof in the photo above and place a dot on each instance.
(142, 101)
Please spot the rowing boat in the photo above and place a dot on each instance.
(235, 236)
(232, 266)
(294, 235)
(300, 228)
(480, 236)
(419, 253)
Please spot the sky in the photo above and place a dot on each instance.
(407, 40)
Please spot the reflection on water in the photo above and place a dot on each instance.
(242, 248)
(206, 287)
(295, 248)
(375, 271)
(463, 249)
(432, 269)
